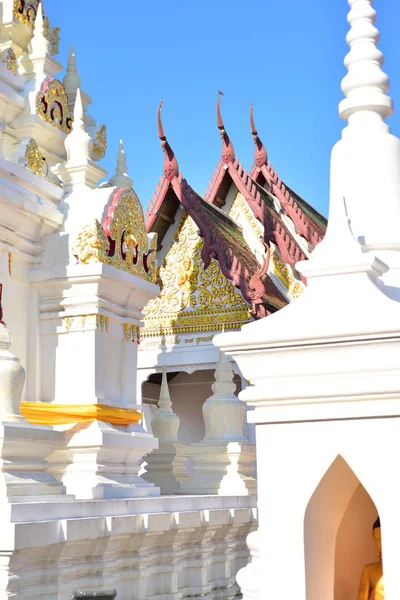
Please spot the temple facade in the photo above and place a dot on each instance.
(225, 258)
(127, 460)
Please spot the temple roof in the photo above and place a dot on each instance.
(261, 189)
(223, 240)
(288, 221)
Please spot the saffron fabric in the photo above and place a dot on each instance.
(42, 413)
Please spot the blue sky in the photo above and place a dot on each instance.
(286, 57)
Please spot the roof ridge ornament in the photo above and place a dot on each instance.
(260, 152)
(171, 167)
(365, 85)
(228, 151)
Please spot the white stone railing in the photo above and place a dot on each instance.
(179, 547)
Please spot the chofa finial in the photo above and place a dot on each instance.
(260, 152)
(171, 167)
(228, 152)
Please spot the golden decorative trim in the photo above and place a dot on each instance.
(10, 59)
(127, 240)
(68, 323)
(53, 107)
(25, 11)
(239, 206)
(86, 323)
(91, 245)
(285, 275)
(10, 263)
(131, 332)
(52, 34)
(34, 159)
(100, 143)
(192, 298)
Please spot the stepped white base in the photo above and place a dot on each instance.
(23, 452)
(166, 467)
(224, 468)
(100, 461)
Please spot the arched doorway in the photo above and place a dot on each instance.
(338, 524)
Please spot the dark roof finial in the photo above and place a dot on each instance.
(228, 152)
(171, 167)
(260, 153)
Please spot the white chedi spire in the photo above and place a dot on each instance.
(78, 143)
(72, 81)
(365, 85)
(40, 45)
(165, 423)
(121, 177)
(365, 163)
(223, 412)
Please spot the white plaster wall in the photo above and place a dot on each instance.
(295, 457)
(16, 295)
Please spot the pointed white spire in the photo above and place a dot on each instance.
(223, 376)
(40, 45)
(121, 177)
(165, 423)
(223, 412)
(78, 142)
(72, 81)
(365, 85)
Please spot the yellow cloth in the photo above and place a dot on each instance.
(42, 413)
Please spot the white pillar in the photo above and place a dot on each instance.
(248, 578)
(324, 372)
(224, 461)
(23, 447)
(166, 467)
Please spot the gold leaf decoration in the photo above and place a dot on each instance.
(10, 59)
(91, 245)
(25, 11)
(240, 206)
(100, 143)
(52, 34)
(192, 298)
(122, 241)
(52, 105)
(34, 159)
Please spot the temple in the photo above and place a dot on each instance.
(143, 352)
(225, 258)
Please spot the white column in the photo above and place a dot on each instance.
(166, 467)
(248, 578)
(23, 447)
(224, 461)
(324, 372)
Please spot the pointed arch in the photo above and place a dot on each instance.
(329, 507)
